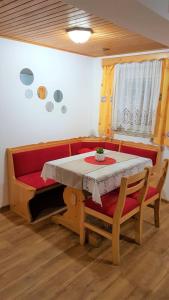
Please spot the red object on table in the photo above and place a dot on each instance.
(92, 160)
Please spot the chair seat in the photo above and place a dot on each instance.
(152, 191)
(109, 202)
(36, 181)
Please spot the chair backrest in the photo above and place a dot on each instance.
(130, 185)
(162, 175)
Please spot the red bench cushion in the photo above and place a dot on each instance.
(84, 150)
(109, 202)
(75, 147)
(34, 180)
(152, 154)
(111, 146)
(82, 147)
(92, 145)
(27, 162)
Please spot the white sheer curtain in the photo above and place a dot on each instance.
(136, 94)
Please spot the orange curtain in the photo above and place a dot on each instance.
(105, 112)
(161, 133)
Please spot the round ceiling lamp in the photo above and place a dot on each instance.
(79, 35)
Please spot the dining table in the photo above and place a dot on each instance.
(84, 176)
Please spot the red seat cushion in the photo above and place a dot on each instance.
(152, 191)
(152, 154)
(84, 150)
(34, 180)
(109, 202)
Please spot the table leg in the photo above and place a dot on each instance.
(71, 218)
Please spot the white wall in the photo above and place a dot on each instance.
(166, 186)
(95, 114)
(25, 121)
(97, 92)
(159, 7)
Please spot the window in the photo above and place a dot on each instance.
(136, 95)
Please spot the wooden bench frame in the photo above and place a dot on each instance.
(20, 194)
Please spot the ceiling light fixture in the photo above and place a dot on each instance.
(79, 35)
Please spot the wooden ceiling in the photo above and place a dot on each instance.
(43, 22)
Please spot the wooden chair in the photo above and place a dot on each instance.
(156, 182)
(117, 207)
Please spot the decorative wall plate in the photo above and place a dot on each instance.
(58, 96)
(28, 93)
(49, 106)
(64, 109)
(42, 92)
(26, 76)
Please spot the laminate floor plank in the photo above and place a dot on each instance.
(45, 261)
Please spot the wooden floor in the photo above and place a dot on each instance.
(45, 261)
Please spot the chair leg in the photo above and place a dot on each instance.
(157, 213)
(139, 227)
(82, 227)
(82, 236)
(116, 244)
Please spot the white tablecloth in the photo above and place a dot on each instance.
(73, 171)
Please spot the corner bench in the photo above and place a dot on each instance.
(29, 195)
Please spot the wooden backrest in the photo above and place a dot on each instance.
(162, 174)
(157, 175)
(130, 185)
